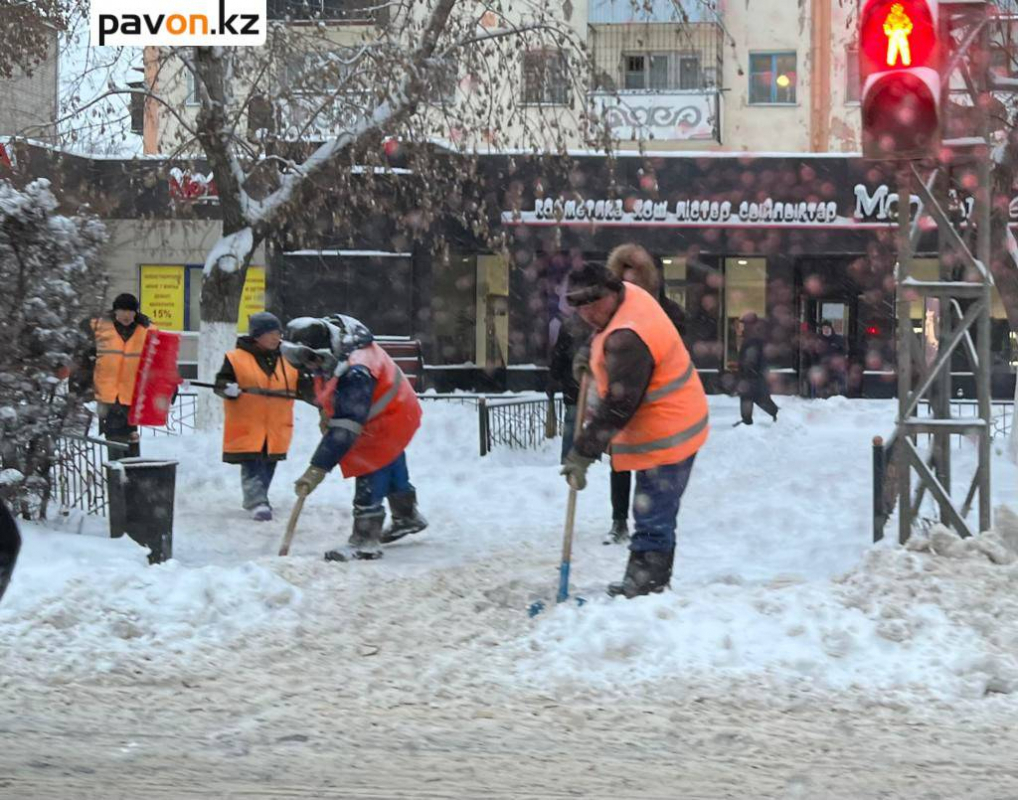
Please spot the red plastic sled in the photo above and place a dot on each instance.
(157, 379)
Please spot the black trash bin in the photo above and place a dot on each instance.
(141, 503)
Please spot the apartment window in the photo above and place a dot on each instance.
(191, 85)
(137, 107)
(661, 71)
(853, 87)
(445, 81)
(545, 78)
(772, 78)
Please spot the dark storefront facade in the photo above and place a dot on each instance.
(795, 240)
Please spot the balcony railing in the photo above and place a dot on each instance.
(660, 116)
(657, 69)
(615, 12)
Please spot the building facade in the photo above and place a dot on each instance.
(29, 103)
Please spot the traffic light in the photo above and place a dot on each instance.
(899, 66)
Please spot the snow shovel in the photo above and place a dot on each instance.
(567, 537)
(291, 526)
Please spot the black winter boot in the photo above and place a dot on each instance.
(406, 518)
(364, 543)
(618, 534)
(647, 572)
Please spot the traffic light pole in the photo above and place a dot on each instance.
(962, 293)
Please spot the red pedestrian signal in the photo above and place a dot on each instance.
(899, 66)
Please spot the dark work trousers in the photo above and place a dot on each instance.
(255, 479)
(113, 425)
(372, 489)
(656, 510)
(622, 484)
(759, 396)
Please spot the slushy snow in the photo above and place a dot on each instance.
(778, 590)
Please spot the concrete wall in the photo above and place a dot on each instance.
(31, 101)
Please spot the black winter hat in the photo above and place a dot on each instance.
(126, 302)
(589, 283)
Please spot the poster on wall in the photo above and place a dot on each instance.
(252, 300)
(162, 295)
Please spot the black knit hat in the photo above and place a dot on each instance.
(126, 302)
(262, 322)
(589, 283)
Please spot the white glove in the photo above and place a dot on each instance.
(231, 390)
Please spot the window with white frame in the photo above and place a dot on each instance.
(662, 72)
(545, 77)
(772, 78)
(191, 99)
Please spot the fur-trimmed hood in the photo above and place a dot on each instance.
(633, 256)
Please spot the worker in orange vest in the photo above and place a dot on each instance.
(369, 413)
(111, 366)
(258, 426)
(651, 415)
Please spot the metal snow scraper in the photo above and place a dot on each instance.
(567, 537)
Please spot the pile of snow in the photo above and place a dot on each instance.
(82, 607)
(938, 619)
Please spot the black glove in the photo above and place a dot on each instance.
(575, 467)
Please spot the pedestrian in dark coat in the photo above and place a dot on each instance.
(832, 358)
(751, 380)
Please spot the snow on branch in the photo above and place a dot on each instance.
(230, 252)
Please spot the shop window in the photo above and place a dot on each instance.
(453, 309)
(745, 292)
(675, 280)
(700, 296)
(492, 304)
(545, 78)
(772, 78)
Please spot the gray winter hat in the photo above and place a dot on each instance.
(261, 323)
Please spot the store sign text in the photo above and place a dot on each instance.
(692, 210)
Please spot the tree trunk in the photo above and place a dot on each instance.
(226, 267)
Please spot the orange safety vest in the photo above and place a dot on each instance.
(393, 419)
(255, 423)
(116, 361)
(671, 423)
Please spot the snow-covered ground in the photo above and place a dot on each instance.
(780, 606)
